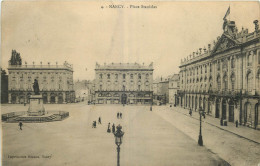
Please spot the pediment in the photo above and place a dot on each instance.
(224, 43)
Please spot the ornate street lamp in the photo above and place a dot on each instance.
(118, 140)
(200, 141)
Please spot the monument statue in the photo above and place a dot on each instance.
(36, 87)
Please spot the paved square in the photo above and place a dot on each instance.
(149, 139)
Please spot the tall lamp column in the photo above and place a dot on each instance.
(118, 140)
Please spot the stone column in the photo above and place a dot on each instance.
(213, 108)
(64, 97)
(9, 98)
(25, 98)
(56, 99)
(48, 98)
(17, 99)
(227, 110)
(220, 108)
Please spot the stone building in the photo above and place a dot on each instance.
(225, 80)
(123, 83)
(82, 90)
(4, 86)
(55, 81)
(163, 91)
(174, 86)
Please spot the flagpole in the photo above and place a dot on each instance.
(229, 11)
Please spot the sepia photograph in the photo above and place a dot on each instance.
(130, 83)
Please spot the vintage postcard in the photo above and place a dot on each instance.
(152, 83)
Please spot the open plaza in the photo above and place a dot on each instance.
(164, 136)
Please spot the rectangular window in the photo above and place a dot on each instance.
(259, 57)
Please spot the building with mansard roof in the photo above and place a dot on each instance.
(55, 81)
(174, 85)
(225, 80)
(123, 83)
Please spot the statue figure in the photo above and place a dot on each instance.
(36, 87)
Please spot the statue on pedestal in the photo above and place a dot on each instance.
(36, 87)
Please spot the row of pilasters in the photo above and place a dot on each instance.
(23, 98)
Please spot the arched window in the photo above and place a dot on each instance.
(147, 76)
(100, 76)
(116, 76)
(225, 82)
(139, 76)
(219, 82)
(123, 76)
(108, 76)
(233, 81)
(249, 81)
(218, 66)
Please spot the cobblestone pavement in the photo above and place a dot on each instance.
(150, 138)
(238, 146)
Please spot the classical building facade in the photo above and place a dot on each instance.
(225, 80)
(174, 86)
(123, 83)
(55, 81)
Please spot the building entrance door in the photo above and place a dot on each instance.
(224, 109)
(217, 108)
(231, 112)
(123, 98)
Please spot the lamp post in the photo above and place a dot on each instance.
(118, 140)
(200, 141)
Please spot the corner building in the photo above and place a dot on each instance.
(55, 82)
(225, 80)
(123, 83)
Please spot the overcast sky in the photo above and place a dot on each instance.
(83, 33)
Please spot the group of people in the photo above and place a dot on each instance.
(119, 115)
(94, 124)
(113, 128)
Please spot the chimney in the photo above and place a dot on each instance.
(256, 25)
(205, 50)
(209, 45)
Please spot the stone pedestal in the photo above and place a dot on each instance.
(36, 107)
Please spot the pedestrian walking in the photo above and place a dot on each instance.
(99, 120)
(190, 112)
(113, 128)
(117, 115)
(120, 115)
(20, 124)
(204, 115)
(94, 124)
(108, 128)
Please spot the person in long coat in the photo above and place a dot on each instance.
(20, 124)
(108, 128)
(113, 128)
